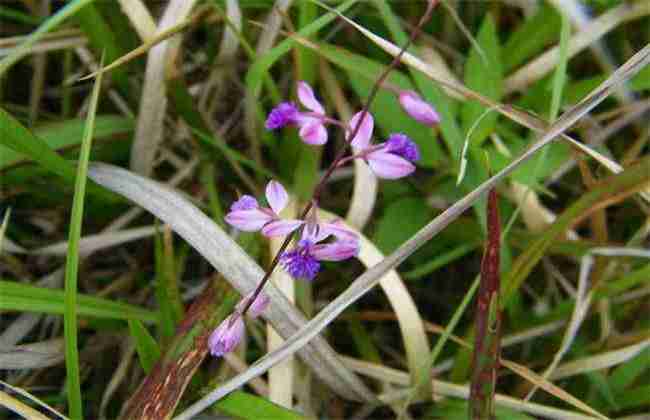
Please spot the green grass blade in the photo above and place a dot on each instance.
(251, 407)
(23, 297)
(51, 23)
(483, 74)
(72, 262)
(18, 138)
(560, 77)
(145, 345)
(65, 134)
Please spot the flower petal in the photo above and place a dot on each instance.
(308, 99)
(389, 166)
(338, 230)
(336, 251)
(248, 220)
(281, 227)
(277, 196)
(362, 139)
(313, 133)
(417, 108)
(245, 202)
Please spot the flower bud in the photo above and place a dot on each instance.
(226, 336)
(417, 108)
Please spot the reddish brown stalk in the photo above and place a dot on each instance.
(341, 154)
(485, 362)
(161, 390)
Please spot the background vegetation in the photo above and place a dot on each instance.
(105, 309)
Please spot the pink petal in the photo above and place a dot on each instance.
(248, 220)
(281, 227)
(313, 133)
(417, 108)
(339, 230)
(388, 165)
(308, 99)
(362, 139)
(336, 251)
(277, 196)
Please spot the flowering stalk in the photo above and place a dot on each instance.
(341, 154)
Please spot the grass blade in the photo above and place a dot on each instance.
(72, 262)
(23, 297)
(145, 345)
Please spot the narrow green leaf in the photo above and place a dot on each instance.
(531, 37)
(145, 345)
(250, 407)
(73, 380)
(15, 136)
(483, 74)
(68, 133)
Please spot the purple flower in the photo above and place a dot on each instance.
(247, 215)
(299, 262)
(312, 124)
(390, 160)
(399, 144)
(259, 305)
(302, 262)
(284, 114)
(226, 336)
(417, 108)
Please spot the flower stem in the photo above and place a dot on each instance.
(341, 153)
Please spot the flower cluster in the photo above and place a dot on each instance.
(391, 159)
(318, 240)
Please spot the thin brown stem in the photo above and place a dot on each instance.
(341, 154)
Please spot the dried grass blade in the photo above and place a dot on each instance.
(546, 62)
(148, 44)
(583, 302)
(232, 262)
(550, 388)
(30, 397)
(19, 408)
(92, 243)
(281, 377)
(448, 389)
(153, 103)
(33, 355)
(25, 47)
(140, 18)
(599, 361)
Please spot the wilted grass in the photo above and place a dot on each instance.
(523, 91)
